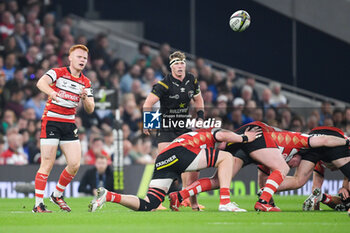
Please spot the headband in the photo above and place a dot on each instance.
(175, 60)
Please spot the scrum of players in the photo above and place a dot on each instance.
(304, 151)
(322, 147)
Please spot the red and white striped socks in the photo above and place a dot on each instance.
(224, 196)
(273, 182)
(196, 187)
(40, 184)
(64, 180)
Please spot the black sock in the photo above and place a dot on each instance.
(262, 201)
(179, 197)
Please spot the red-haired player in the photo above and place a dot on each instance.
(65, 87)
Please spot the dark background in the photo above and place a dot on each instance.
(264, 49)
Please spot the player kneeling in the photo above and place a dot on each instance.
(192, 151)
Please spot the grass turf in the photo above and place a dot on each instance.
(16, 216)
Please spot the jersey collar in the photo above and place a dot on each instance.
(178, 81)
(72, 74)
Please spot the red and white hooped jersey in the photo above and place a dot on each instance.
(195, 140)
(68, 90)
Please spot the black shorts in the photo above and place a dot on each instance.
(63, 131)
(168, 135)
(243, 150)
(243, 156)
(171, 163)
(326, 154)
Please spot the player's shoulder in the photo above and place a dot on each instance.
(165, 82)
(59, 70)
(191, 77)
(85, 80)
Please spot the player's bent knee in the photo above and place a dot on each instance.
(155, 197)
(284, 169)
(74, 167)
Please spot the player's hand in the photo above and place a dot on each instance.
(147, 132)
(253, 133)
(344, 193)
(83, 94)
(53, 96)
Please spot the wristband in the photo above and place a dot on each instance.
(200, 114)
(244, 138)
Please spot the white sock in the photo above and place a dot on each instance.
(38, 200)
(57, 193)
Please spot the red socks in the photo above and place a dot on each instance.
(113, 197)
(40, 184)
(196, 187)
(224, 196)
(273, 182)
(64, 180)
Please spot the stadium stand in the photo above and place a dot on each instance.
(32, 41)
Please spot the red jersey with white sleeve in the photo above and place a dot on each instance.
(196, 141)
(68, 88)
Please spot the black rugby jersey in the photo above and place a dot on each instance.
(175, 95)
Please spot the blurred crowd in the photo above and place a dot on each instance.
(33, 40)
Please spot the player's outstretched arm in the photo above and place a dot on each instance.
(327, 141)
(231, 137)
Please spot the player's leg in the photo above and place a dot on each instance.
(207, 184)
(161, 146)
(272, 158)
(187, 179)
(72, 152)
(207, 158)
(155, 196)
(224, 165)
(48, 150)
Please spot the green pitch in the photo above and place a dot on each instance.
(16, 216)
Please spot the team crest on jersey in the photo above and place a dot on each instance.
(182, 89)
(75, 133)
(64, 83)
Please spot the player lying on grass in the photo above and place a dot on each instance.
(266, 151)
(191, 151)
(339, 202)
